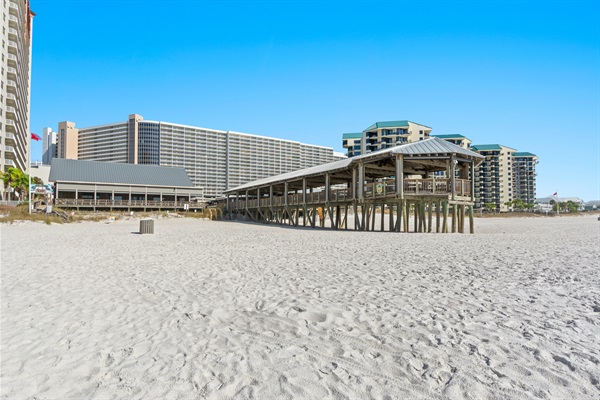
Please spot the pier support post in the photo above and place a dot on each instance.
(471, 220)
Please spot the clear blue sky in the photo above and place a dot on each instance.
(525, 74)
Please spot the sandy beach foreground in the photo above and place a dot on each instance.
(225, 310)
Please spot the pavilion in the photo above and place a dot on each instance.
(420, 178)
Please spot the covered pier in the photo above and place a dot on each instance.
(425, 186)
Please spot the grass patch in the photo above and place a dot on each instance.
(21, 213)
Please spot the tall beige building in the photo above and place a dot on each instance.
(383, 135)
(494, 183)
(213, 159)
(524, 164)
(15, 84)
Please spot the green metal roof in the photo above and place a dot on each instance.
(392, 124)
(490, 147)
(387, 124)
(487, 147)
(524, 154)
(450, 136)
(352, 135)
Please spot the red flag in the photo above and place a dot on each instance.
(555, 193)
(35, 137)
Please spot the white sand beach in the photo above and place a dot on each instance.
(224, 310)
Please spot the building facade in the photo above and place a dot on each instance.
(213, 159)
(384, 135)
(494, 180)
(458, 140)
(15, 81)
(525, 176)
(352, 142)
(49, 148)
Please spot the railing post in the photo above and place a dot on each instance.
(473, 181)
(361, 181)
(453, 175)
(327, 183)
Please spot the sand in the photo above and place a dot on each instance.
(225, 310)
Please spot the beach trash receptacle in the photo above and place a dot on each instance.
(146, 226)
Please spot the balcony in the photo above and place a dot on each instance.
(11, 73)
(12, 47)
(11, 99)
(12, 60)
(13, 21)
(12, 85)
(13, 34)
(9, 149)
(14, 7)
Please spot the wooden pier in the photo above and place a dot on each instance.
(429, 183)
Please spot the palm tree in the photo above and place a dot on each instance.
(16, 179)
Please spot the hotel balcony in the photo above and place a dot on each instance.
(10, 111)
(11, 73)
(12, 86)
(11, 125)
(12, 60)
(12, 47)
(11, 99)
(13, 21)
(9, 149)
(14, 7)
(13, 34)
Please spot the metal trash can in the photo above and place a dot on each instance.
(146, 226)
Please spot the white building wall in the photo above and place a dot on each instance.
(103, 143)
(15, 78)
(49, 149)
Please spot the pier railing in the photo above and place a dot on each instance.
(118, 203)
(382, 189)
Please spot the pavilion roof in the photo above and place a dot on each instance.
(432, 146)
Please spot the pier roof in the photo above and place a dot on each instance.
(431, 147)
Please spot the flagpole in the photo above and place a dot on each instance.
(29, 173)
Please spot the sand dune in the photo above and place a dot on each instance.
(225, 310)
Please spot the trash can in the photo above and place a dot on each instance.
(146, 226)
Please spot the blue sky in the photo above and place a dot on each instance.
(525, 74)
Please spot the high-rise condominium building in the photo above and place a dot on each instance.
(504, 176)
(524, 176)
(15, 79)
(214, 159)
(458, 140)
(49, 149)
(494, 183)
(383, 135)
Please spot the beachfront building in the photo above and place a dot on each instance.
(347, 194)
(15, 81)
(456, 139)
(352, 142)
(49, 148)
(494, 182)
(546, 204)
(94, 185)
(524, 176)
(384, 135)
(214, 159)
